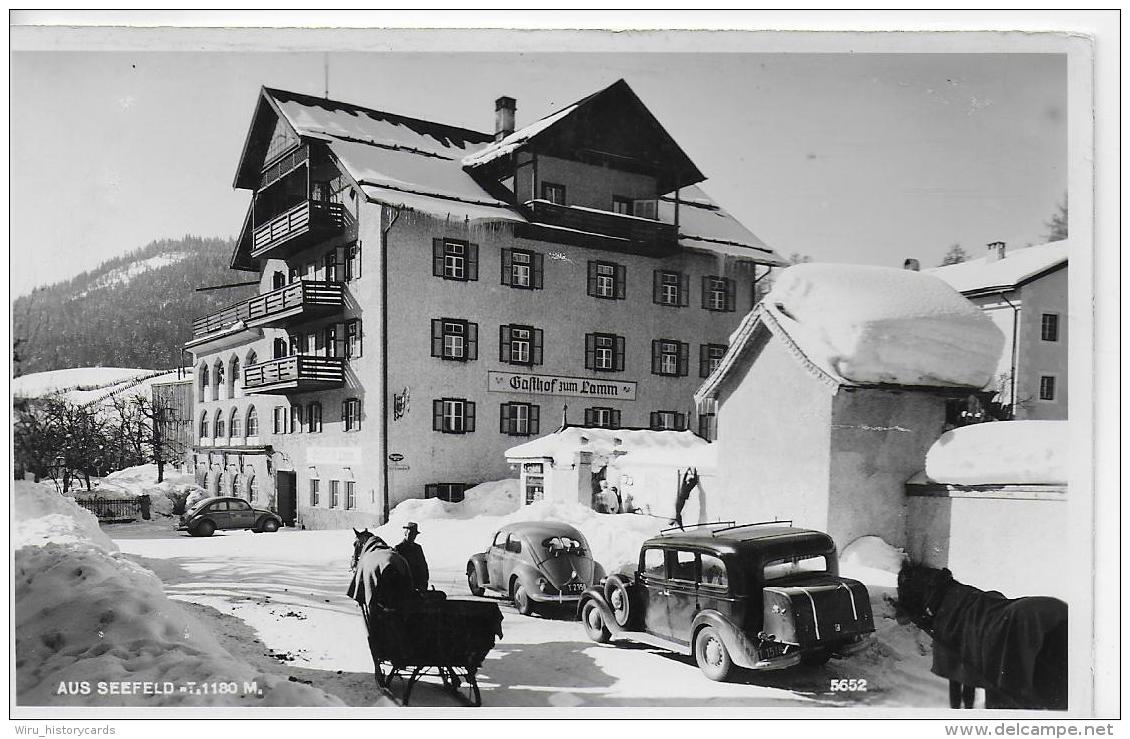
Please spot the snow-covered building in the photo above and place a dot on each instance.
(1025, 293)
(832, 391)
(428, 293)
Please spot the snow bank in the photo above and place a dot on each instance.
(1001, 452)
(141, 480)
(39, 384)
(872, 560)
(85, 613)
(646, 445)
(870, 324)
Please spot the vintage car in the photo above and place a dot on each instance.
(760, 596)
(211, 514)
(535, 563)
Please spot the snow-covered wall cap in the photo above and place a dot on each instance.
(563, 445)
(1001, 453)
(1014, 269)
(872, 325)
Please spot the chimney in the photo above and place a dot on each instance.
(504, 109)
(995, 252)
(911, 264)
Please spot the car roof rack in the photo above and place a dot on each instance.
(698, 525)
(788, 522)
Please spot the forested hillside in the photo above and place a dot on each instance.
(135, 310)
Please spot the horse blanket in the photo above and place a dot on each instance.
(382, 578)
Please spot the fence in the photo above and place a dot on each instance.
(108, 509)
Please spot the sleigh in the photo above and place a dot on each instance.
(445, 638)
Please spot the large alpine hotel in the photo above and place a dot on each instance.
(430, 296)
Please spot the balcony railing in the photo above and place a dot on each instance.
(306, 223)
(631, 231)
(299, 301)
(297, 374)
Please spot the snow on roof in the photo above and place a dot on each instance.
(1000, 453)
(515, 140)
(563, 444)
(705, 225)
(1016, 268)
(38, 384)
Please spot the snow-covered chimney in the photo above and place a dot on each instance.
(504, 109)
(995, 251)
(911, 264)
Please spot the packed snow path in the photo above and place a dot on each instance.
(277, 600)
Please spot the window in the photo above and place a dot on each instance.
(453, 415)
(335, 493)
(233, 378)
(709, 357)
(1049, 327)
(552, 192)
(621, 205)
(1047, 387)
(519, 345)
(279, 347)
(351, 414)
(314, 418)
(668, 420)
(669, 358)
(278, 280)
(329, 264)
(314, 485)
(296, 344)
(329, 340)
(706, 428)
(604, 352)
(455, 260)
(353, 263)
(796, 565)
(606, 280)
(350, 494)
(236, 424)
(352, 338)
(252, 422)
(606, 418)
(204, 426)
(522, 269)
(203, 382)
(653, 564)
(718, 293)
(218, 426)
(712, 571)
(519, 419)
(296, 420)
(670, 288)
(280, 419)
(217, 380)
(682, 565)
(455, 339)
(452, 492)
(295, 274)
(253, 488)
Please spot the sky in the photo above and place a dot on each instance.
(861, 158)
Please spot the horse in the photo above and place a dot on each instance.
(1016, 649)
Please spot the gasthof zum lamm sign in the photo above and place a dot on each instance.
(521, 382)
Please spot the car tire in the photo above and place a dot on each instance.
(205, 528)
(711, 654)
(816, 657)
(473, 585)
(270, 526)
(593, 621)
(521, 598)
(619, 600)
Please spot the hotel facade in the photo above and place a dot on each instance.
(430, 296)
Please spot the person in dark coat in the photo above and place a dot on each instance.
(382, 578)
(413, 553)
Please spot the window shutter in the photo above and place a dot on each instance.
(657, 287)
(319, 342)
(342, 253)
(359, 328)
(472, 348)
(330, 267)
(656, 356)
(590, 351)
(618, 353)
(535, 355)
(504, 417)
(684, 290)
(339, 340)
(504, 343)
(684, 351)
(468, 416)
(437, 415)
(588, 416)
(705, 292)
(437, 257)
(472, 261)
(437, 337)
(538, 268)
(730, 294)
(680, 421)
(344, 410)
(507, 266)
(654, 419)
(535, 420)
(621, 279)
(430, 491)
(592, 279)
(615, 418)
(704, 360)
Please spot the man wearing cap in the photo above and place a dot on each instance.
(414, 553)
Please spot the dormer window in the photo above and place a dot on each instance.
(553, 193)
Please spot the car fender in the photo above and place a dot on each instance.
(743, 650)
(479, 562)
(598, 573)
(596, 596)
(526, 574)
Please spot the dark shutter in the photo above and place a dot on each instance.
(657, 287)
(615, 420)
(339, 340)
(680, 421)
(343, 265)
(330, 267)
(706, 292)
(592, 279)
(684, 351)
(468, 416)
(504, 343)
(504, 418)
(704, 360)
(437, 257)
(588, 416)
(618, 353)
(437, 415)
(590, 351)
(507, 266)
(472, 346)
(654, 419)
(535, 354)
(656, 356)
(535, 420)
(684, 290)
(730, 295)
(357, 260)
(472, 261)
(437, 337)
(621, 279)
(539, 264)
(344, 409)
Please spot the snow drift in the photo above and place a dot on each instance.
(869, 324)
(1002, 452)
(495, 498)
(85, 613)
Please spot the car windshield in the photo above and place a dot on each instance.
(795, 565)
(198, 505)
(557, 545)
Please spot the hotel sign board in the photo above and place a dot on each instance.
(585, 387)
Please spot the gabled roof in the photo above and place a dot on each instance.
(980, 276)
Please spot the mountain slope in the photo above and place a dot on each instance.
(135, 310)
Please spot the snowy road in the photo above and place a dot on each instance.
(278, 601)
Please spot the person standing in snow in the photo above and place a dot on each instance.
(414, 554)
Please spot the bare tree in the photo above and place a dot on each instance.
(143, 427)
(1057, 225)
(64, 441)
(956, 255)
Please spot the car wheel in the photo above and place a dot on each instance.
(816, 657)
(594, 623)
(473, 585)
(616, 592)
(521, 599)
(270, 525)
(205, 528)
(711, 654)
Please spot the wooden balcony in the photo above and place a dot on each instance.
(305, 224)
(297, 302)
(297, 374)
(597, 228)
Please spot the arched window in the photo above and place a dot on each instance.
(233, 377)
(218, 425)
(236, 424)
(252, 421)
(253, 487)
(204, 425)
(278, 280)
(218, 380)
(203, 382)
(251, 359)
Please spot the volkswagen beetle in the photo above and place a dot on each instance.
(210, 514)
(535, 563)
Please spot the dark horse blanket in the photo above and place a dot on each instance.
(382, 578)
(1014, 648)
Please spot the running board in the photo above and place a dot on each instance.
(652, 640)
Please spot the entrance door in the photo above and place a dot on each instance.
(286, 487)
